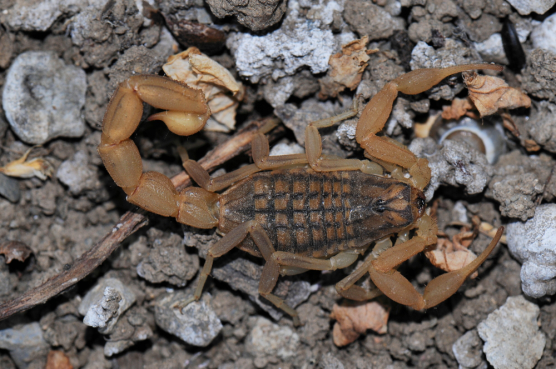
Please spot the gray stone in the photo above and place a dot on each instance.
(9, 188)
(269, 339)
(25, 344)
(512, 336)
(78, 175)
(196, 324)
(533, 243)
(467, 350)
(525, 7)
(43, 97)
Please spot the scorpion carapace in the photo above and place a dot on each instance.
(310, 212)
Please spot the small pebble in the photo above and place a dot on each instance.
(78, 175)
(467, 350)
(103, 305)
(525, 7)
(25, 343)
(43, 97)
(269, 339)
(532, 243)
(197, 324)
(544, 35)
(9, 188)
(512, 336)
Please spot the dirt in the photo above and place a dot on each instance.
(63, 217)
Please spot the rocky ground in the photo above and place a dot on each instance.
(60, 61)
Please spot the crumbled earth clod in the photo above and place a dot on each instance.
(511, 334)
(456, 164)
(167, 260)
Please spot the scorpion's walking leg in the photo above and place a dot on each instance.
(260, 151)
(270, 272)
(374, 117)
(347, 287)
(313, 147)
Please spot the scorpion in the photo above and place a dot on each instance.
(298, 212)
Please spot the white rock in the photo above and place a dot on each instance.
(103, 305)
(533, 243)
(544, 35)
(512, 336)
(197, 324)
(525, 7)
(269, 339)
(40, 15)
(302, 43)
(43, 97)
(286, 149)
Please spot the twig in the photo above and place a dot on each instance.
(128, 224)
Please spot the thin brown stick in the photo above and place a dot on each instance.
(128, 224)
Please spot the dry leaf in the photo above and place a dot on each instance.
(20, 168)
(354, 318)
(449, 258)
(15, 250)
(458, 109)
(197, 70)
(346, 68)
(58, 360)
(492, 93)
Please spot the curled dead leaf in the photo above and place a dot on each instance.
(354, 318)
(57, 360)
(15, 250)
(346, 68)
(492, 93)
(458, 109)
(21, 168)
(197, 70)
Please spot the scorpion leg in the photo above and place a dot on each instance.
(270, 273)
(376, 113)
(260, 151)
(313, 147)
(347, 288)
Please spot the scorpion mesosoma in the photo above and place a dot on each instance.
(298, 212)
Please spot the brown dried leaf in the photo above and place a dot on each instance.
(458, 109)
(58, 360)
(21, 168)
(15, 250)
(346, 68)
(354, 318)
(197, 70)
(453, 255)
(492, 93)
